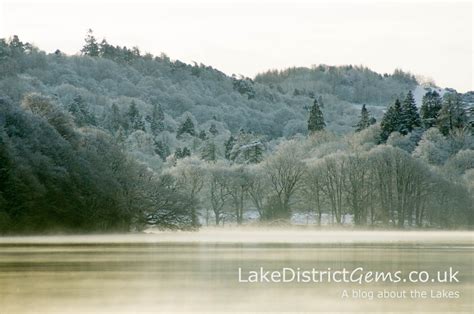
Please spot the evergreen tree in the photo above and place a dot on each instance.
(114, 119)
(182, 153)
(430, 108)
(185, 152)
(391, 121)
(213, 130)
(229, 144)
(209, 151)
(91, 48)
(202, 135)
(410, 117)
(178, 153)
(452, 114)
(320, 101)
(134, 118)
(157, 119)
(187, 127)
(247, 148)
(80, 112)
(316, 118)
(364, 121)
(161, 149)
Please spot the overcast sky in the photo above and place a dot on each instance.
(428, 38)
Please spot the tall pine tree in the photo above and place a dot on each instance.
(229, 144)
(364, 120)
(91, 47)
(316, 118)
(187, 127)
(430, 108)
(134, 118)
(157, 119)
(410, 117)
(452, 114)
(391, 121)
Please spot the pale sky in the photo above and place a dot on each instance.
(429, 38)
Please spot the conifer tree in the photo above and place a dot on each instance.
(364, 121)
(161, 149)
(452, 114)
(187, 127)
(410, 117)
(229, 144)
(430, 108)
(186, 152)
(213, 130)
(209, 151)
(202, 135)
(80, 112)
(157, 124)
(115, 119)
(182, 153)
(134, 118)
(91, 48)
(392, 120)
(316, 118)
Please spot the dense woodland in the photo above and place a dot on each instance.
(113, 139)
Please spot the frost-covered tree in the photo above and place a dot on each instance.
(452, 114)
(410, 119)
(391, 121)
(284, 171)
(91, 47)
(135, 120)
(433, 147)
(429, 111)
(82, 116)
(364, 119)
(213, 129)
(316, 118)
(209, 150)
(187, 127)
(229, 144)
(157, 119)
(248, 148)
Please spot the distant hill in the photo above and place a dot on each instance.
(356, 84)
(274, 104)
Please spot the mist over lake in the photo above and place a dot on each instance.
(198, 272)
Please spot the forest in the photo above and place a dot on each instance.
(116, 140)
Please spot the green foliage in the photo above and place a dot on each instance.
(81, 113)
(182, 153)
(429, 111)
(213, 130)
(391, 121)
(410, 118)
(316, 119)
(135, 121)
(229, 144)
(364, 120)
(157, 119)
(91, 47)
(186, 127)
(452, 114)
(247, 149)
(209, 151)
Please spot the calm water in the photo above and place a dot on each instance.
(198, 272)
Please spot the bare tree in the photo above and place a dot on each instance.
(285, 171)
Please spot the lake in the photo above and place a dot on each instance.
(199, 272)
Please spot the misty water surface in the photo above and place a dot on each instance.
(198, 272)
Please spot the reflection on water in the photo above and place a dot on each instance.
(198, 272)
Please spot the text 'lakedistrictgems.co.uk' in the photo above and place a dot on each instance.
(357, 275)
